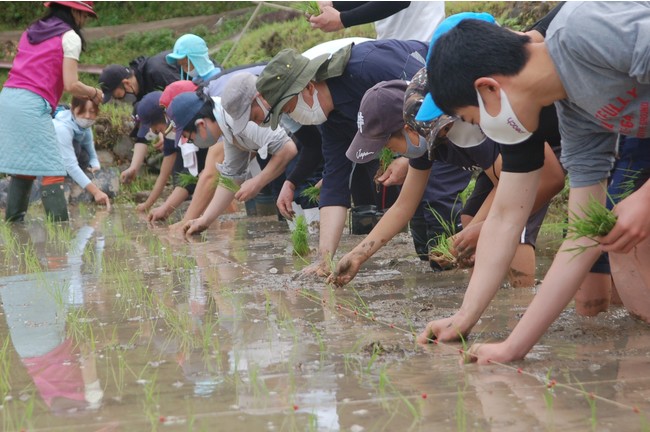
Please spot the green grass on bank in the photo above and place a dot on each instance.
(18, 15)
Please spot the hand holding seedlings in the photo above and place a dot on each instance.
(395, 173)
(446, 329)
(194, 226)
(346, 269)
(597, 221)
(632, 225)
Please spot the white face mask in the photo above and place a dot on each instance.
(264, 111)
(84, 123)
(505, 128)
(308, 115)
(465, 134)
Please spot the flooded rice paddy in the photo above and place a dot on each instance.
(110, 324)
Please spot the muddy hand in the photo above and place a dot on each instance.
(319, 268)
(446, 329)
(345, 271)
(485, 354)
(195, 226)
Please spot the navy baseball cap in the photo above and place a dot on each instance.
(380, 115)
(149, 112)
(183, 109)
(111, 78)
(429, 110)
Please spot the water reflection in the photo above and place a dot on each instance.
(114, 323)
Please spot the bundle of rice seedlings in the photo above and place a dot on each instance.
(299, 237)
(597, 221)
(309, 7)
(227, 183)
(385, 158)
(186, 179)
(441, 253)
(312, 193)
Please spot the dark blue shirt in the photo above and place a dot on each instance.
(475, 158)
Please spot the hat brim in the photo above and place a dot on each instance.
(143, 129)
(429, 110)
(238, 125)
(172, 58)
(364, 149)
(299, 84)
(107, 96)
(74, 5)
(438, 125)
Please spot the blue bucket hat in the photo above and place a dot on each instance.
(195, 49)
(429, 110)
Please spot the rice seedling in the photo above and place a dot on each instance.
(597, 221)
(79, 327)
(629, 185)
(5, 369)
(226, 183)
(151, 398)
(321, 343)
(18, 415)
(441, 253)
(308, 7)
(186, 179)
(299, 237)
(385, 158)
(312, 193)
(549, 392)
(461, 412)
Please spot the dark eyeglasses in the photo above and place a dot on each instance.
(268, 116)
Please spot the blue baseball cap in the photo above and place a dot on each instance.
(149, 112)
(183, 109)
(429, 110)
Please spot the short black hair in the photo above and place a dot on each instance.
(471, 50)
(206, 111)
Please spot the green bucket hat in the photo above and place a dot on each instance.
(286, 75)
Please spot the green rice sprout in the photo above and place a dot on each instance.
(385, 158)
(227, 183)
(629, 185)
(186, 179)
(597, 221)
(441, 253)
(299, 237)
(312, 193)
(309, 7)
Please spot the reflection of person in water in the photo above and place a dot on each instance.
(35, 306)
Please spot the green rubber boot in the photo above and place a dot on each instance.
(54, 202)
(18, 199)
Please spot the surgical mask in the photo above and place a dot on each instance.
(463, 134)
(265, 112)
(413, 151)
(306, 115)
(84, 123)
(505, 128)
(201, 142)
(170, 131)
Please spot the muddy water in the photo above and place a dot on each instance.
(109, 323)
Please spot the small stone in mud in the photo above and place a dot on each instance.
(273, 270)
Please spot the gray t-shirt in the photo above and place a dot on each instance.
(239, 149)
(600, 51)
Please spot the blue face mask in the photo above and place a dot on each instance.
(413, 151)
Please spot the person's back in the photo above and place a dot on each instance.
(418, 22)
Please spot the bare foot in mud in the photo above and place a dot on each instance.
(445, 330)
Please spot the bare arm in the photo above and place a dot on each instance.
(389, 225)
(496, 247)
(276, 166)
(72, 85)
(166, 169)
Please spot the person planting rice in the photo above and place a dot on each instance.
(202, 120)
(389, 110)
(600, 90)
(45, 66)
(74, 135)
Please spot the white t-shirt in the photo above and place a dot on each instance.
(71, 45)
(417, 22)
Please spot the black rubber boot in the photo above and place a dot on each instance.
(18, 199)
(54, 202)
